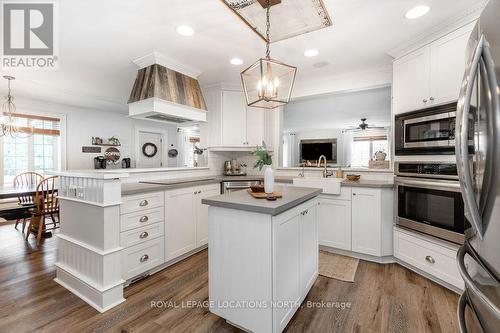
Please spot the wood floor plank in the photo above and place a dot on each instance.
(383, 298)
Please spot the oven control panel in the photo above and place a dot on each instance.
(428, 170)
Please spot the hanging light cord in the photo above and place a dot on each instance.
(268, 29)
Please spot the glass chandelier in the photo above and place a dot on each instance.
(268, 83)
(9, 121)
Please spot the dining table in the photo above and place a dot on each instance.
(9, 192)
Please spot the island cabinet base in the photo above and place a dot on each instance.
(261, 267)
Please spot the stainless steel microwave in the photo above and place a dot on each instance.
(426, 132)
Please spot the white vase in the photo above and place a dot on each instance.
(268, 179)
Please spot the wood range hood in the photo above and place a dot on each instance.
(161, 93)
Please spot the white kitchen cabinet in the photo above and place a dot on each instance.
(448, 60)
(233, 118)
(202, 214)
(308, 226)
(366, 221)
(287, 270)
(232, 125)
(432, 74)
(255, 126)
(411, 89)
(186, 219)
(180, 222)
(334, 219)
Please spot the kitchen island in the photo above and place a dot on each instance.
(263, 256)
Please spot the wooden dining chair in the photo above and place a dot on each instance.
(26, 179)
(46, 205)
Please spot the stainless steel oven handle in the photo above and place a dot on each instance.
(453, 186)
(469, 282)
(462, 140)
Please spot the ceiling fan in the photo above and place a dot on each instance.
(363, 126)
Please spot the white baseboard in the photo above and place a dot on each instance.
(101, 301)
(367, 257)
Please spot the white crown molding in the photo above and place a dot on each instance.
(161, 59)
(445, 27)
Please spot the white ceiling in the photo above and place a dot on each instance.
(100, 38)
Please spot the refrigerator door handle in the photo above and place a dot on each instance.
(462, 304)
(462, 141)
(493, 130)
(469, 282)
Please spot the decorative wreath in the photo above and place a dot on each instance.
(145, 149)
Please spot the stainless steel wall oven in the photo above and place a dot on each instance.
(429, 200)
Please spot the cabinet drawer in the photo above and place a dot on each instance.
(141, 235)
(143, 257)
(139, 202)
(432, 258)
(142, 218)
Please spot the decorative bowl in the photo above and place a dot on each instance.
(353, 178)
(257, 188)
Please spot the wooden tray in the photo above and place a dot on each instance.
(263, 195)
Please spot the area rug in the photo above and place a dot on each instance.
(338, 267)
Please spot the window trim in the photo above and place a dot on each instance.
(63, 137)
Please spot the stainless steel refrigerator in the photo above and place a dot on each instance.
(478, 163)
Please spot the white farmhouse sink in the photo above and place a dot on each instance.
(328, 185)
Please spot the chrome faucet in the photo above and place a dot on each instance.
(301, 174)
(326, 173)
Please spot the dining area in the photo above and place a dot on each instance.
(30, 205)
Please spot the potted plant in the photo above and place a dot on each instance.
(264, 160)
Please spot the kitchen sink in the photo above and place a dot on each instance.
(328, 185)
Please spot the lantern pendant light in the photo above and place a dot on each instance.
(10, 124)
(268, 83)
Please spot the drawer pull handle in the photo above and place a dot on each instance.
(143, 203)
(144, 235)
(430, 259)
(144, 258)
(144, 219)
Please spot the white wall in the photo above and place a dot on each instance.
(82, 124)
(339, 110)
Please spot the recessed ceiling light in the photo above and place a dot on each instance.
(236, 61)
(185, 30)
(417, 12)
(311, 53)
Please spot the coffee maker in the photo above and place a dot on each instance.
(99, 162)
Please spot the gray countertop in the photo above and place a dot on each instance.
(242, 200)
(170, 184)
(369, 183)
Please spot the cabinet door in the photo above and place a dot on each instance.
(255, 126)
(447, 66)
(411, 81)
(202, 215)
(334, 218)
(180, 223)
(286, 280)
(233, 118)
(309, 250)
(366, 221)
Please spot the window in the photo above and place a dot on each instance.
(39, 152)
(364, 147)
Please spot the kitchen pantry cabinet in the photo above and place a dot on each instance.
(432, 74)
(231, 123)
(186, 219)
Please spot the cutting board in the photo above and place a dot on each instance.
(262, 195)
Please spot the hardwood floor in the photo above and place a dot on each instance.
(383, 298)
